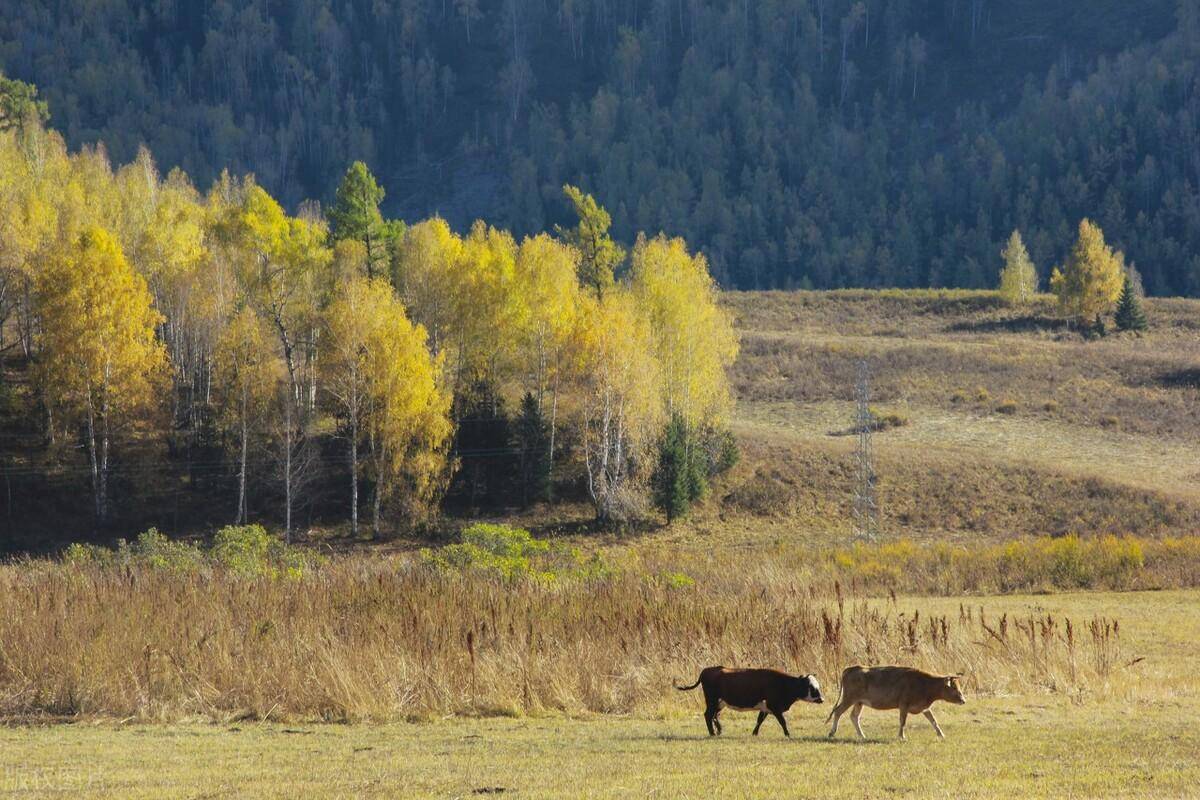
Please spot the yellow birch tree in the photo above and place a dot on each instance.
(424, 274)
(99, 359)
(621, 402)
(1018, 277)
(247, 372)
(548, 289)
(694, 340)
(1089, 284)
(387, 388)
(281, 264)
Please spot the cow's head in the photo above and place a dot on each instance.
(810, 690)
(951, 692)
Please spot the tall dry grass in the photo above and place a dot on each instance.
(373, 638)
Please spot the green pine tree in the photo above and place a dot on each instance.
(599, 254)
(19, 105)
(1129, 316)
(532, 435)
(355, 215)
(681, 477)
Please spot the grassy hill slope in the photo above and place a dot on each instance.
(1012, 423)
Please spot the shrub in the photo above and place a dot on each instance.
(506, 551)
(513, 554)
(1007, 407)
(1050, 406)
(241, 549)
(503, 540)
(88, 555)
(1109, 421)
(677, 580)
(1118, 561)
(250, 550)
(244, 549)
(883, 420)
(154, 549)
(958, 397)
(982, 395)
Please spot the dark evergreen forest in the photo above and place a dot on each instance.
(821, 143)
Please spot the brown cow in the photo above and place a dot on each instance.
(761, 690)
(884, 688)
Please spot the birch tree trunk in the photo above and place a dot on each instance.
(287, 472)
(354, 474)
(241, 507)
(92, 457)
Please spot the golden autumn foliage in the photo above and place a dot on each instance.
(1090, 282)
(28, 217)
(99, 356)
(488, 308)
(1018, 277)
(273, 330)
(387, 388)
(551, 303)
(424, 275)
(693, 336)
(621, 398)
(246, 371)
(97, 321)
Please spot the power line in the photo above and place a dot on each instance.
(866, 509)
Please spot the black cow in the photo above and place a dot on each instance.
(762, 690)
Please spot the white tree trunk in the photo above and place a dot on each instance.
(241, 517)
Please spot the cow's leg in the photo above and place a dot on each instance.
(933, 721)
(710, 717)
(782, 722)
(903, 718)
(854, 718)
(761, 716)
(838, 710)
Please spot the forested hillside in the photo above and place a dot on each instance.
(797, 142)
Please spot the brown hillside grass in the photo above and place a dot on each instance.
(803, 486)
(1017, 425)
(1150, 390)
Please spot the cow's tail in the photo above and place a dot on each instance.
(841, 694)
(688, 688)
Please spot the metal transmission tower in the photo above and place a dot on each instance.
(866, 511)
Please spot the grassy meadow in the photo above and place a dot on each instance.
(1129, 738)
(1041, 512)
(994, 749)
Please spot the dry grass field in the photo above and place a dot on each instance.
(1134, 737)
(1025, 462)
